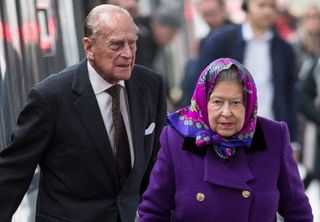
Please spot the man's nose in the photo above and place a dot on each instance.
(126, 51)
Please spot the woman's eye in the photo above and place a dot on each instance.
(236, 103)
(217, 102)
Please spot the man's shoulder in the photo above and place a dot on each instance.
(222, 37)
(58, 82)
(282, 43)
(226, 30)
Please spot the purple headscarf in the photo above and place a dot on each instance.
(192, 121)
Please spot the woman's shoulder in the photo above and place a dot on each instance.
(273, 130)
(269, 123)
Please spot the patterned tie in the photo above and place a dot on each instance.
(123, 158)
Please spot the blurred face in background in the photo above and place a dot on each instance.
(311, 20)
(163, 34)
(213, 12)
(261, 13)
(130, 5)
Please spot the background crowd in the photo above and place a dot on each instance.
(176, 38)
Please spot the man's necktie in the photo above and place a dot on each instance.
(122, 148)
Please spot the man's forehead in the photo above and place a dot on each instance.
(121, 36)
(109, 30)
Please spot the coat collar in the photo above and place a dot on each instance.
(86, 106)
(234, 172)
(258, 143)
(137, 107)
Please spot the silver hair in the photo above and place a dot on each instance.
(99, 13)
(230, 74)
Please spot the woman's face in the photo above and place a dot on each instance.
(226, 110)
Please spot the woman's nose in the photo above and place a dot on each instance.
(226, 109)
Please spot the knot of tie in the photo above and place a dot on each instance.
(114, 91)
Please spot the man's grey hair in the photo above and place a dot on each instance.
(102, 12)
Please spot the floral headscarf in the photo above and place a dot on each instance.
(192, 121)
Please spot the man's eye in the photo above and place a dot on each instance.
(132, 44)
(116, 45)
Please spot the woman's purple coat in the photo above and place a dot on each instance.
(193, 184)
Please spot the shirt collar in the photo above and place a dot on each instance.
(99, 85)
(248, 33)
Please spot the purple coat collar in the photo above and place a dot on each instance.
(258, 143)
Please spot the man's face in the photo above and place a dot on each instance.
(112, 52)
(163, 34)
(212, 12)
(262, 13)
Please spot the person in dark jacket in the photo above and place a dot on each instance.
(309, 106)
(68, 127)
(257, 45)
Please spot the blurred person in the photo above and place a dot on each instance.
(309, 106)
(165, 23)
(285, 22)
(271, 59)
(219, 161)
(93, 128)
(307, 47)
(213, 12)
(214, 15)
(307, 40)
(130, 5)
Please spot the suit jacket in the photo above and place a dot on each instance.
(196, 185)
(62, 130)
(228, 42)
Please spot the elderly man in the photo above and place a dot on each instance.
(93, 128)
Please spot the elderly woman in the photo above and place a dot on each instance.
(220, 162)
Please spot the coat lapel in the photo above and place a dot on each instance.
(138, 119)
(236, 172)
(233, 173)
(88, 110)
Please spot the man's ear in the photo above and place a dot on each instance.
(88, 47)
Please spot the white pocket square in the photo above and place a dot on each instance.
(150, 129)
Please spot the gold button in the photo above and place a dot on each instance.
(246, 193)
(200, 197)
